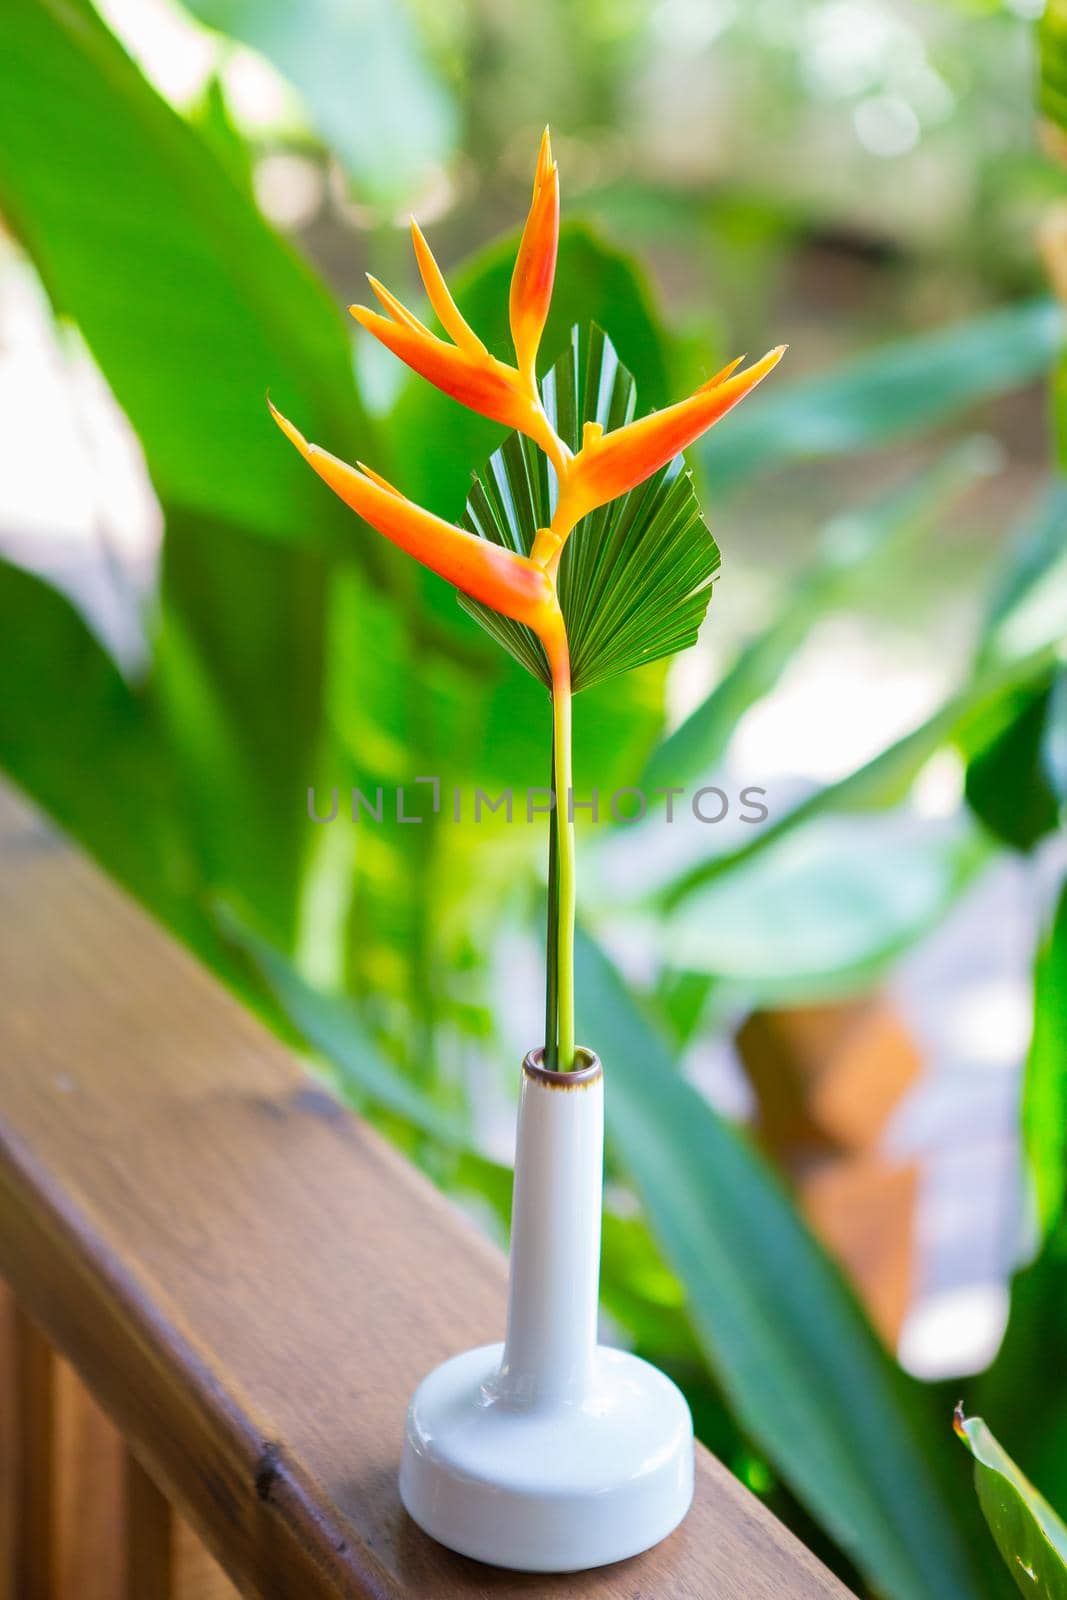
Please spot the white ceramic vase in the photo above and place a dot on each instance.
(550, 1452)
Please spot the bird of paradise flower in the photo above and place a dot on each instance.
(606, 466)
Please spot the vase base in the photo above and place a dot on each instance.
(545, 1486)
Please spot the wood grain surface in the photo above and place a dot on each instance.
(247, 1279)
(164, 1560)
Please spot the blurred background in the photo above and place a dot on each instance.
(865, 996)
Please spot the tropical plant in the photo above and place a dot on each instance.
(282, 653)
(640, 582)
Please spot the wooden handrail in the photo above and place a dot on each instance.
(248, 1279)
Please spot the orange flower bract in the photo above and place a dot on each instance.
(512, 584)
(535, 265)
(607, 465)
(611, 464)
(464, 368)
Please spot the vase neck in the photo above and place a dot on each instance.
(555, 1235)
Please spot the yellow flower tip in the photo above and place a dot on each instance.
(759, 369)
(440, 298)
(376, 477)
(723, 373)
(535, 269)
(545, 163)
(387, 300)
(395, 308)
(591, 432)
(381, 327)
(291, 431)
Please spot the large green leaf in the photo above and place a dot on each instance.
(849, 547)
(1028, 1533)
(1026, 1387)
(438, 442)
(1027, 605)
(87, 746)
(970, 720)
(784, 1335)
(1008, 785)
(635, 576)
(826, 908)
(1014, 783)
(369, 89)
(1045, 1085)
(902, 389)
(1017, 652)
(1052, 37)
(331, 1025)
(1054, 739)
(362, 1074)
(238, 669)
(191, 305)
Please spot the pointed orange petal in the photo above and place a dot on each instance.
(625, 457)
(544, 162)
(722, 374)
(376, 477)
(475, 380)
(291, 431)
(449, 314)
(535, 267)
(396, 309)
(510, 583)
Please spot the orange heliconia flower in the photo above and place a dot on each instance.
(464, 368)
(611, 464)
(606, 466)
(514, 585)
(535, 265)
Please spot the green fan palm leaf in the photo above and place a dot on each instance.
(635, 576)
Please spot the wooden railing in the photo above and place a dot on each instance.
(222, 1287)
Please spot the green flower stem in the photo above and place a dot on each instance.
(564, 834)
(551, 994)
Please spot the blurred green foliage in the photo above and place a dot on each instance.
(1029, 1534)
(290, 652)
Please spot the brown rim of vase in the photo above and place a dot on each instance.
(589, 1072)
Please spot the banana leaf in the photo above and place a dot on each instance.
(891, 393)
